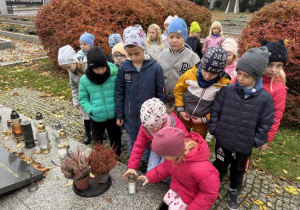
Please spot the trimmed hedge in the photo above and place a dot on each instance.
(61, 22)
(279, 20)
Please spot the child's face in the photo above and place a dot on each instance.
(176, 41)
(273, 69)
(208, 75)
(152, 34)
(155, 129)
(245, 79)
(230, 58)
(100, 70)
(216, 30)
(166, 27)
(136, 54)
(84, 46)
(195, 34)
(118, 58)
(69, 67)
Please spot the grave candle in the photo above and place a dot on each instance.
(16, 125)
(43, 139)
(27, 134)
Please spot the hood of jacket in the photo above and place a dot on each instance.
(200, 152)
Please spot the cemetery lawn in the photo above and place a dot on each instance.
(39, 75)
(282, 160)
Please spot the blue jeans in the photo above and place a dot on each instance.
(130, 142)
(155, 160)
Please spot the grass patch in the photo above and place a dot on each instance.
(41, 75)
(282, 160)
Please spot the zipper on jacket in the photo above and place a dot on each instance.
(104, 102)
(201, 96)
(129, 107)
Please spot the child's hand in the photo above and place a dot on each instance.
(197, 120)
(77, 107)
(144, 179)
(120, 122)
(128, 172)
(264, 147)
(185, 116)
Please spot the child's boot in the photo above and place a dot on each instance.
(87, 136)
(232, 199)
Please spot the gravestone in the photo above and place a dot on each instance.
(13, 172)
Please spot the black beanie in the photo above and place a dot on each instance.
(96, 58)
(277, 50)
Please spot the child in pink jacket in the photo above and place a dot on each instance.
(215, 37)
(195, 182)
(274, 82)
(153, 117)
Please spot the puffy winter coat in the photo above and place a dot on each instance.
(98, 101)
(195, 179)
(193, 99)
(240, 124)
(134, 88)
(211, 41)
(279, 97)
(142, 140)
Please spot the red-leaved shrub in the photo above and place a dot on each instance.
(61, 22)
(279, 20)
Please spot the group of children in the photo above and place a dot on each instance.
(169, 99)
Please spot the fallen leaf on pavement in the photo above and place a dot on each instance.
(109, 200)
(269, 204)
(285, 171)
(69, 184)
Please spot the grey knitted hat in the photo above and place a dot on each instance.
(254, 62)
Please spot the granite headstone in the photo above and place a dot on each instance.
(13, 172)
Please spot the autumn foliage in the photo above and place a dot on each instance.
(102, 159)
(61, 22)
(279, 20)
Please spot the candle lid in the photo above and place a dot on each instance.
(38, 116)
(57, 126)
(62, 134)
(14, 115)
(41, 127)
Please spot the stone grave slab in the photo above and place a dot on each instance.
(13, 172)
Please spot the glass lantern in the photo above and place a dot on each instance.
(43, 139)
(16, 125)
(55, 132)
(63, 137)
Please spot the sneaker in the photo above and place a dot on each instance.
(209, 137)
(232, 201)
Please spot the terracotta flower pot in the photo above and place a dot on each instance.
(82, 184)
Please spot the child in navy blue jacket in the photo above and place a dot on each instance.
(139, 79)
(240, 119)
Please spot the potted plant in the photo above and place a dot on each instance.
(74, 166)
(101, 160)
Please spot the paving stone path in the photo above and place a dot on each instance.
(259, 190)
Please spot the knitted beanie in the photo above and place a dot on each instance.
(66, 55)
(153, 113)
(277, 50)
(169, 141)
(230, 45)
(96, 58)
(87, 38)
(195, 27)
(254, 62)
(114, 39)
(119, 48)
(169, 19)
(178, 25)
(214, 60)
(135, 35)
